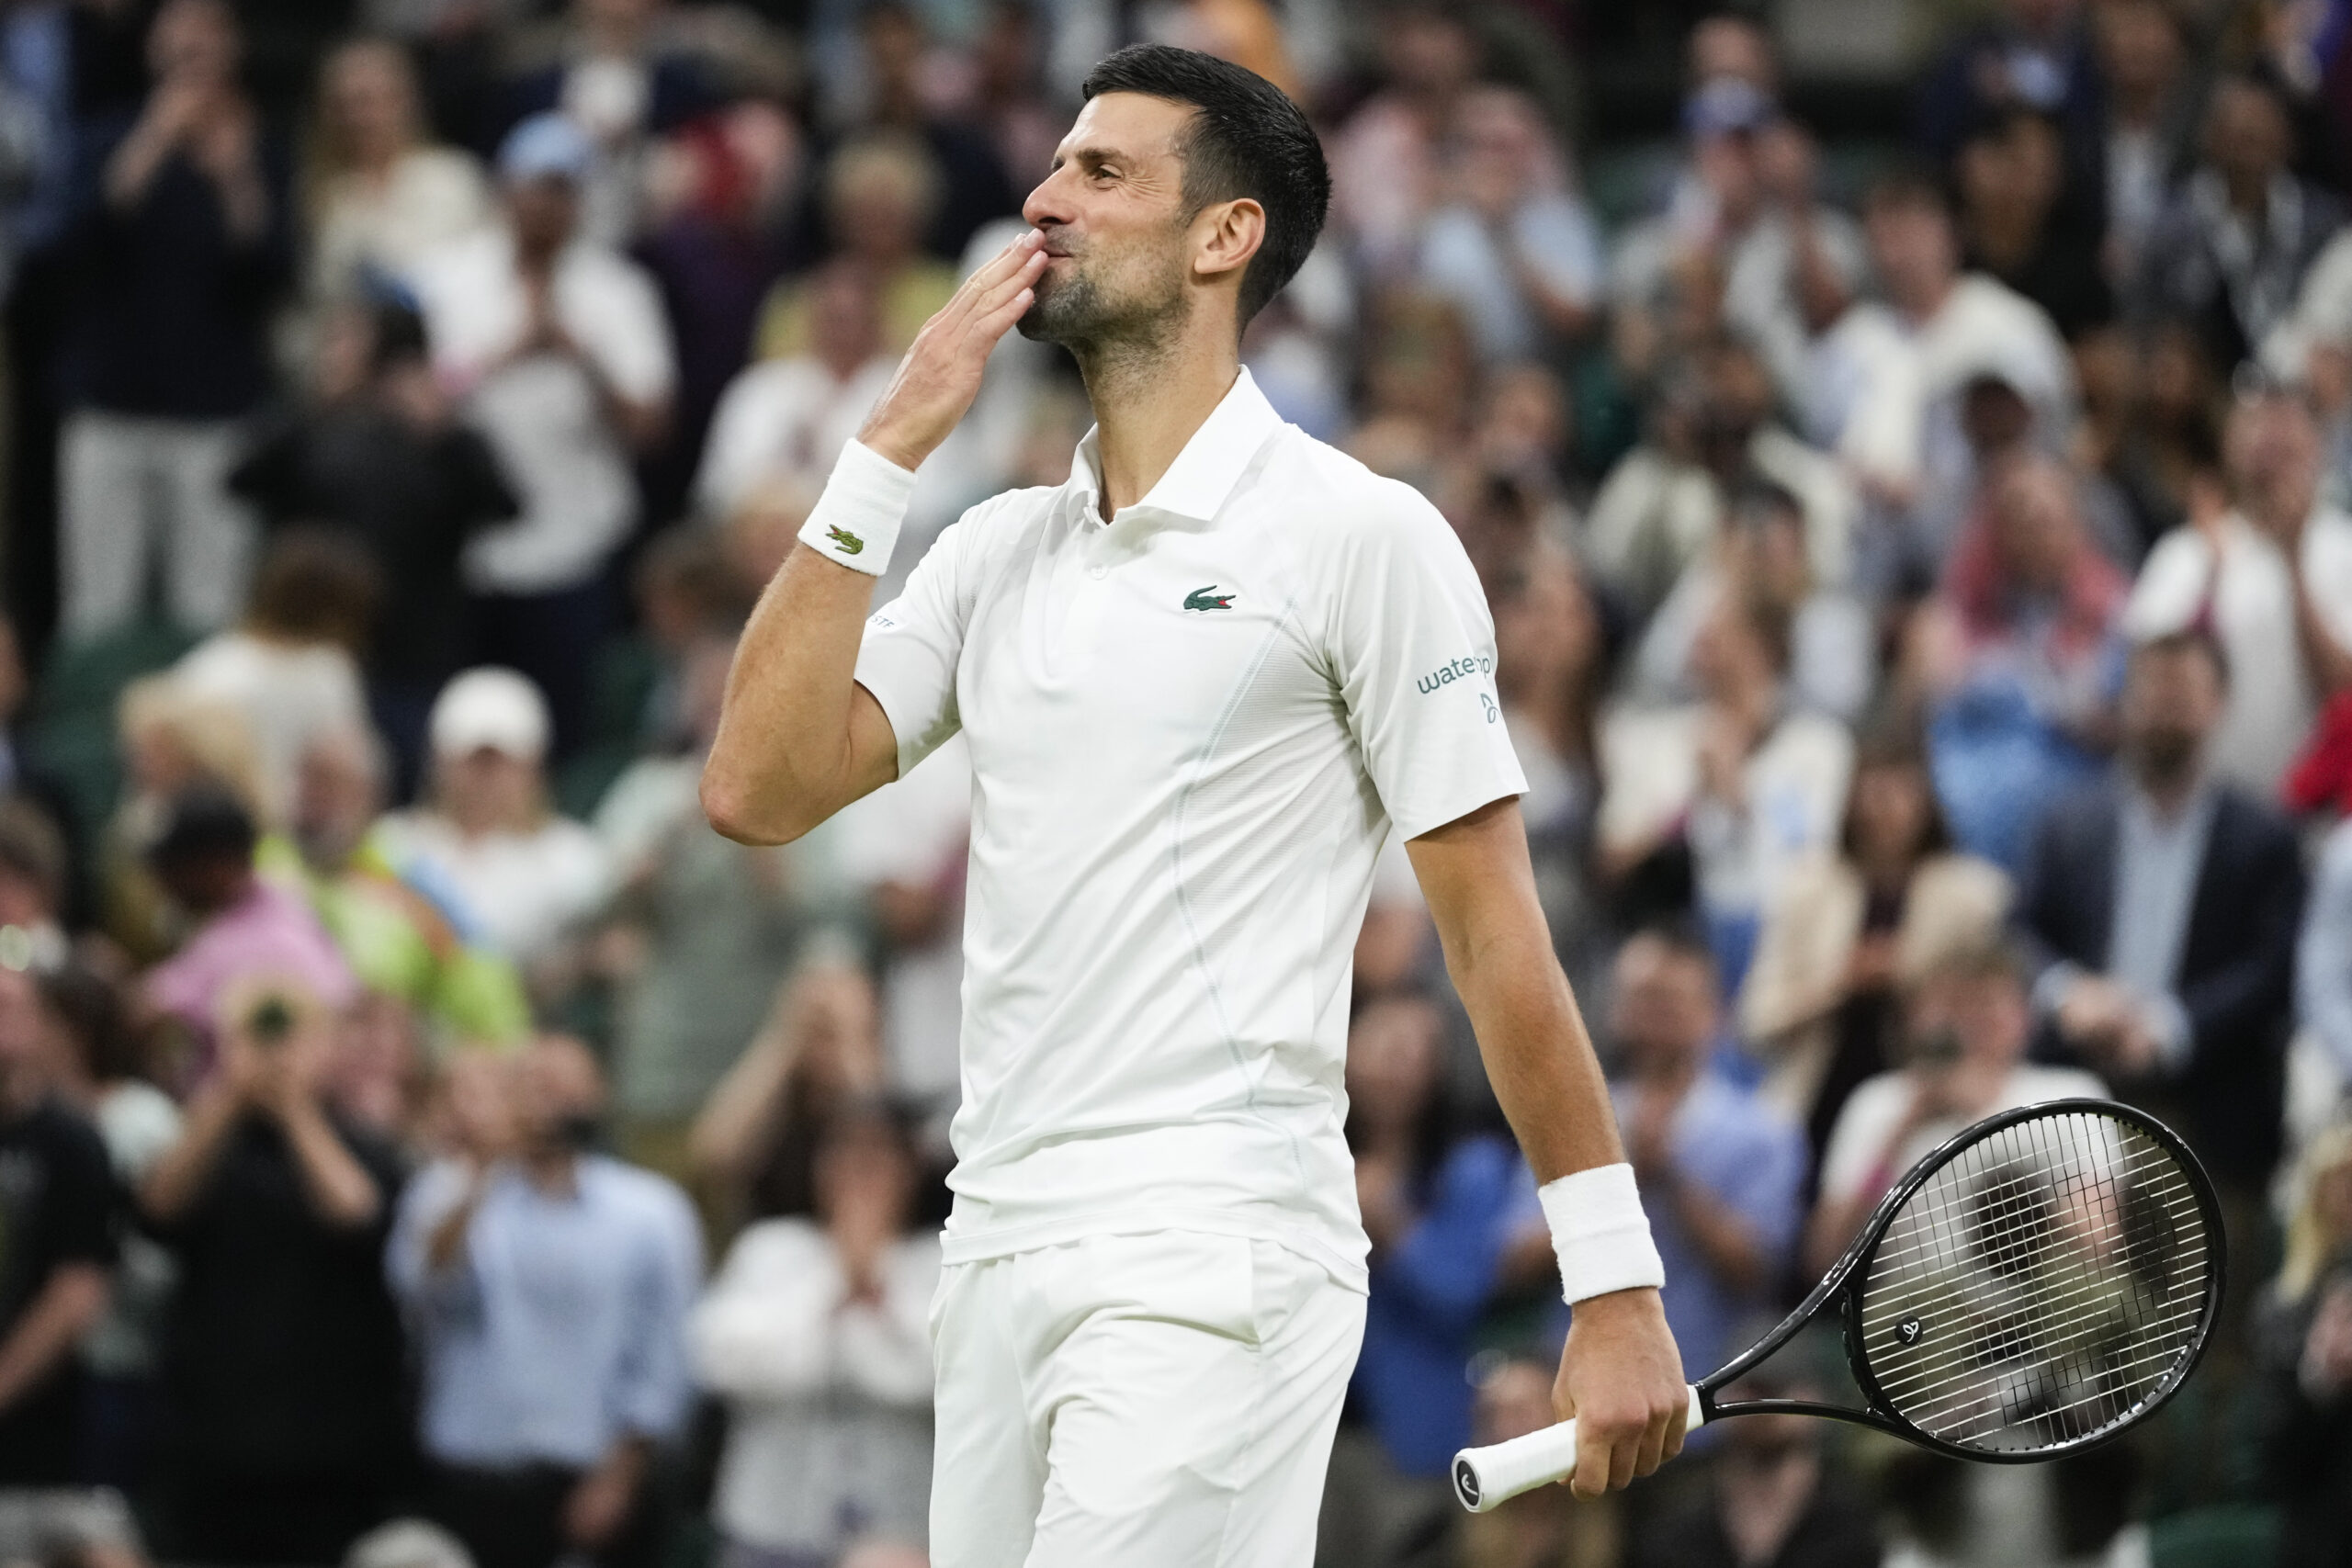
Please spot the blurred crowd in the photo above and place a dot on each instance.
(1922, 581)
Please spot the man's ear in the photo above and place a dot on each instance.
(1226, 235)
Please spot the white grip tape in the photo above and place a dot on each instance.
(1486, 1478)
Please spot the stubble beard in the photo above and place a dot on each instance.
(1103, 332)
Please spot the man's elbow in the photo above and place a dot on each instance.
(733, 814)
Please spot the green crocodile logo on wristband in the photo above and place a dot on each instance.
(850, 543)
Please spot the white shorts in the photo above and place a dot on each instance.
(1159, 1401)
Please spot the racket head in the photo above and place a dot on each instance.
(2044, 1279)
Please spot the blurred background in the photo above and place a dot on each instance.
(1905, 445)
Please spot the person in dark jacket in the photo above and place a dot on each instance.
(2163, 906)
(286, 1385)
(186, 249)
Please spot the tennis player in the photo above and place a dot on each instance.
(1202, 681)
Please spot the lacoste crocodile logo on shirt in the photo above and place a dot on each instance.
(850, 543)
(1208, 599)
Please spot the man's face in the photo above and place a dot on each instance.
(1664, 1007)
(1116, 230)
(2246, 138)
(1911, 244)
(1984, 1015)
(544, 211)
(20, 1022)
(2172, 697)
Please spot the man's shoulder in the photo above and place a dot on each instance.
(644, 1195)
(1320, 490)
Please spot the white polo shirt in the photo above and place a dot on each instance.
(1191, 731)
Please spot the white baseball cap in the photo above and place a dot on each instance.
(493, 707)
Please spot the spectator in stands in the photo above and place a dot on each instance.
(381, 195)
(2271, 577)
(1664, 505)
(2018, 658)
(1773, 1496)
(1966, 1022)
(698, 935)
(816, 1335)
(2032, 53)
(404, 948)
(2158, 442)
(2231, 248)
(1833, 652)
(285, 1377)
(93, 1058)
(548, 1288)
(1444, 1208)
(2014, 225)
(1850, 931)
(1550, 670)
(1721, 1173)
(517, 876)
(895, 52)
(243, 927)
(291, 665)
(1746, 200)
(1885, 380)
(1508, 241)
(613, 79)
(879, 192)
(1748, 784)
(2306, 1329)
(2163, 903)
(2153, 101)
(56, 1249)
(2324, 957)
(384, 463)
(1385, 160)
(561, 347)
(189, 248)
(754, 1145)
(783, 420)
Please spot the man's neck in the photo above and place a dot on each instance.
(1925, 303)
(22, 1088)
(1148, 404)
(2168, 794)
(555, 1172)
(1671, 1075)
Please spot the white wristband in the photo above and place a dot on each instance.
(1599, 1231)
(856, 520)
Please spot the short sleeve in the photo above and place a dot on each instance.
(1412, 647)
(913, 645)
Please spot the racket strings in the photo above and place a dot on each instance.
(2039, 1287)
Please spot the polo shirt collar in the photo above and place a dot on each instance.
(1204, 474)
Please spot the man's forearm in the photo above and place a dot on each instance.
(1539, 1058)
(50, 1327)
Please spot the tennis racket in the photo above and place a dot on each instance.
(2042, 1281)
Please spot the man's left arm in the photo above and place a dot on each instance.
(2257, 985)
(82, 1214)
(1621, 1376)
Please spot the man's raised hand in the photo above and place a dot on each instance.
(941, 373)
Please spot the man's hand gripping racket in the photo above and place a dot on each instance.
(2043, 1281)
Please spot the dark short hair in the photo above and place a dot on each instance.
(92, 1009)
(1247, 138)
(204, 822)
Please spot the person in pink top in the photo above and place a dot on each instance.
(244, 931)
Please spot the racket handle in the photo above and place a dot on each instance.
(1489, 1477)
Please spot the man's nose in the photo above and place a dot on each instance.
(1047, 204)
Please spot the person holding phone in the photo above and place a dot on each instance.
(1966, 1023)
(286, 1428)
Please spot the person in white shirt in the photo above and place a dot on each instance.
(1202, 683)
(816, 1335)
(561, 349)
(2272, 579)
(383, 195)
(1884, 381)
(1966, 1023)
(505, 869)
